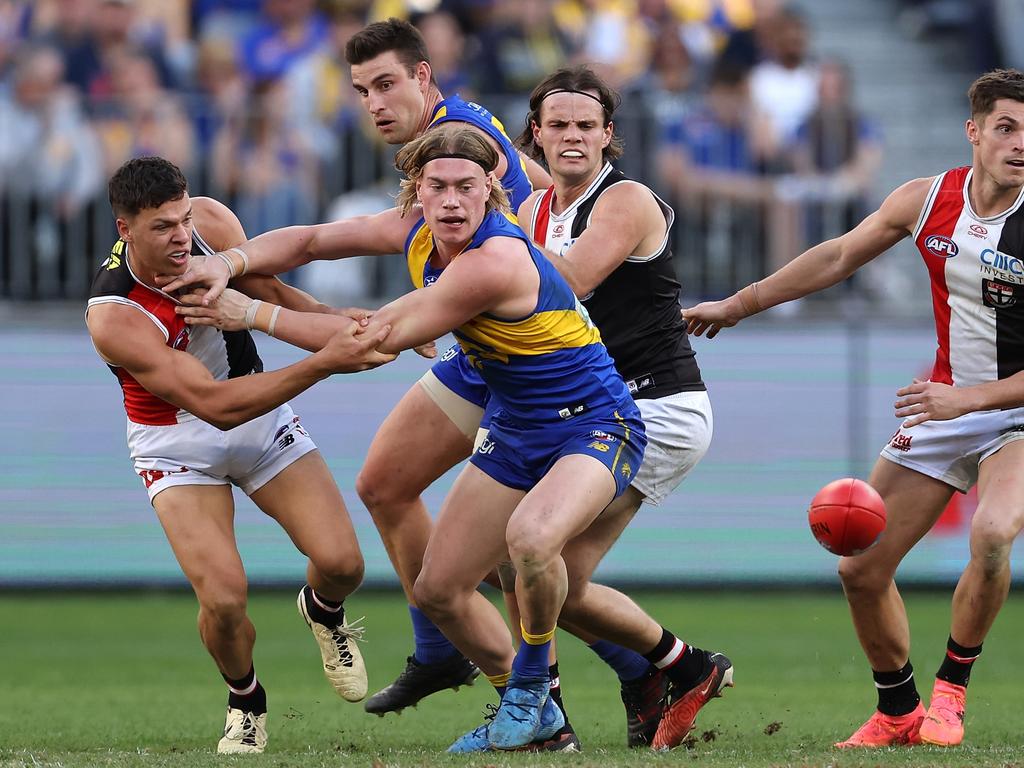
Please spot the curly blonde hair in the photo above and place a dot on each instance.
(448, 140)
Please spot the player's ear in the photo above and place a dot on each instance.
(609, 131)
(423, 75)
(123, 230)
(973, 131)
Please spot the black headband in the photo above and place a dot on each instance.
(458, 156)
(573, 90)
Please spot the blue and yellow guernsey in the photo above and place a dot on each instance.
(456, 110)
(545, 368)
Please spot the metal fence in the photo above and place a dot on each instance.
(47, 254)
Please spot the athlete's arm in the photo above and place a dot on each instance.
(492, 278)
(125, 337)
(820, 266)
(922, 401)
(221, 229)
(626, 221)
(283, 249)
(234, 311)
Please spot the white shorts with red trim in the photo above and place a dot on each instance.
(952, 450)
(193, 452)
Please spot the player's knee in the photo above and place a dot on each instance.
(858, 576)
(343, 567)
(991, 542)
(530, 547)
(225, 608)
(381, 493)
(433, 597)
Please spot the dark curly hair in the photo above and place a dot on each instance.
(145, 182)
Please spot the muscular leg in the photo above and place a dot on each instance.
(416, 444)
(563, 504)
(468, 541)
(305, 500)
(913, 503)
(199, 523)
(985, 582)
(594, 611)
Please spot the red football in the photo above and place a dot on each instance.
(846, 516)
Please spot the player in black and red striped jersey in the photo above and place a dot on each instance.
(964, 426)
(202, 416)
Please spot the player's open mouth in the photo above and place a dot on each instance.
(1016, 163)
(452, 221)
(384, 124)
(572, 154)
(179, 257)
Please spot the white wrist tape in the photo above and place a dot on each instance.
(250, 313)
(273, 321)
(245, 260)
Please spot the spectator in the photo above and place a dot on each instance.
(447, 46)
(521, 46)
(746, 45)
(232, 19)
(321, 96)
(785, 86)
(617, 43)
(262, 162)
(141, 117)
(836, 155)
(15, 20)
(48, 153)
(290, 31)
(220, 90)
(713, 164)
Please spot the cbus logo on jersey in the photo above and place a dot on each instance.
(997, 295)
(941, 246)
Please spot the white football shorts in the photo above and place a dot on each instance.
(196, 453)
(952, 450)
(679, 429)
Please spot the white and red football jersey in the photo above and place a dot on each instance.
(977, 279)
(226, 354)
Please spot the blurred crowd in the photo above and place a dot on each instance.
(727, 111)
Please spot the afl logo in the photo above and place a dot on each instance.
(941, 246)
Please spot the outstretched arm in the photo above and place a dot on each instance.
(819, 267)
(125, 337)
(220, 229)
(283, 249)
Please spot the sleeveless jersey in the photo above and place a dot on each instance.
(515, 180)
(636, 306)
(976, 265)
(226, 354)
(546, 367)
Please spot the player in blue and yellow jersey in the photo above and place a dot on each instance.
(566, 437)
(437, 420)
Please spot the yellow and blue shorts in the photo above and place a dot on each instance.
(519, 455)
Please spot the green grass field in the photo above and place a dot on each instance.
(103, 680)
